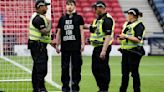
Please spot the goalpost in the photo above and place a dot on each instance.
(15, 59)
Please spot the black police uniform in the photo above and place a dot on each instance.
(70, 50)
(100, 68)
(131, 61)
(40, 58)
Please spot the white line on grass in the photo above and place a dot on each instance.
(17, 64)
(15, 80)
(29, 71)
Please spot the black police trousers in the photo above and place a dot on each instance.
(76, 62)
(130, 64)
(101, 69)
(39, 71)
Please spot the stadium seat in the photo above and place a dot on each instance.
(117, 30)
(158, 1)
(117, 9)
(85, 4)
(79, 9)
(87, 9)
(89, 14)
(158, 8)
(16, 21)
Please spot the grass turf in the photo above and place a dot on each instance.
(151, 74)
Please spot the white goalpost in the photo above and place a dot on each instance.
(1, 38)
(15, 59)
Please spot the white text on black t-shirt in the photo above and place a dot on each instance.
(68, 27)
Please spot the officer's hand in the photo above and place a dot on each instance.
(82, 48)
(122, 37)
(57, 50)
(53, 44)
(92, 28)
(102, 55)
(86, 26)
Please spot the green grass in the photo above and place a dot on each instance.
(151, 74)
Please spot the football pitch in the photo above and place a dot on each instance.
(151, 75)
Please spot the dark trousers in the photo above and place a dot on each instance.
(130, 63)
(76, 63)
(100, 68)
(39, 71)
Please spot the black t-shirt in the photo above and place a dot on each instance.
(138, 29)
(38, 22)
(70, 32)
(107, 24)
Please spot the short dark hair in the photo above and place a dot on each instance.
(70, 1)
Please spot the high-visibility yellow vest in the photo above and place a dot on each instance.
(97, 38)
(128, 44)
(35, 34)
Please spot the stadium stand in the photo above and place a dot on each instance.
(158, 8)
(15, 22)
(84, 8)
(20, 22)
(156, 41)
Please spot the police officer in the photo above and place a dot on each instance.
(70, 33)
(39, 37)
(101, 38)
(132, 49)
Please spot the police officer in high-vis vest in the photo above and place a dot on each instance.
(39, 37)
(132, 49)
(101, 38)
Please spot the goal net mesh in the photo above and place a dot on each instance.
(15, 62)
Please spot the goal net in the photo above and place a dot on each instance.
(15, 59)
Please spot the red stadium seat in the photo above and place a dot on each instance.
(121, 20)
(89, 14)
(109, 9)
(85, 4)
(117, 9)
(87, 9)
(79, 9)
(16, 21)
(82, 1)
(89, 20)
(117, 30)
